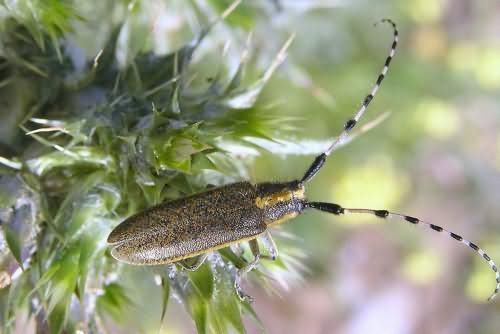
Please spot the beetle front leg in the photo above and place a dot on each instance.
(254, 246)
(270, 246)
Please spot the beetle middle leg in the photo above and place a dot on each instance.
(254, 247)
(192, 264)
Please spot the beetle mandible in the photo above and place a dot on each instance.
(193, 226)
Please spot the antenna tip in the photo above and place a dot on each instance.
(493, 295)
(391, 22)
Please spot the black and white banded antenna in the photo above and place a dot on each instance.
(339, 210)
(351, 123)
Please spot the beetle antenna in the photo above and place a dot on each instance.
(351, 123)
(339, 210)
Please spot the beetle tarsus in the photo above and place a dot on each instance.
(241, 273)
(237, 286)
(242, 295)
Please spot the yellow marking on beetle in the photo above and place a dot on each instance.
(299, 193)
(283, 196)
(282, 219)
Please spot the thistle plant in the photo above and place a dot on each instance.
(85, 144)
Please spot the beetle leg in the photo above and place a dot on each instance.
(270, 246)
(238, 251)
(254, 246)
(198, 261)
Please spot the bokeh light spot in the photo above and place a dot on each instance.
(479, 285)
(425, 11)
(375, 184)
(422, 266)
(459, 56)
(438, 118)
(498, 153)
(488, 68)
(481, 282)
(430, 43)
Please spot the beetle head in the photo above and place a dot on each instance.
(293, 188)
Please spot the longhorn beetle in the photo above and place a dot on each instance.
(191, 227)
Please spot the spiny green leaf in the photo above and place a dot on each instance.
(113, 301)
(14, 242)
(153, 193)
(226, 303)
(202, 161)
(16, 294)
(10, 163)
(10, 191)
(176, 152)
(202, 280)
(63, 282)
(198, 309)
(79, 205)
(73, 128)
(46, 277)
(165, 286)
(129, 147)
(247, 97)
(244, 16)
(57, 317)
(176, 109)
(50, 17)
(88, 245)
(76, 156)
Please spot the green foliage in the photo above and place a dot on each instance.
(101, 143)
(42, 19)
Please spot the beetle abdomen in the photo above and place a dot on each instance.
(189, 226)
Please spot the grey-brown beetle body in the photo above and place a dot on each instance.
(193, 226)
(204, 222)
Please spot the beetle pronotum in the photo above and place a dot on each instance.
(193, 226)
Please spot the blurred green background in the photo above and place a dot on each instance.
(436, 157)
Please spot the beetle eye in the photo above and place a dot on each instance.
(294, 186)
